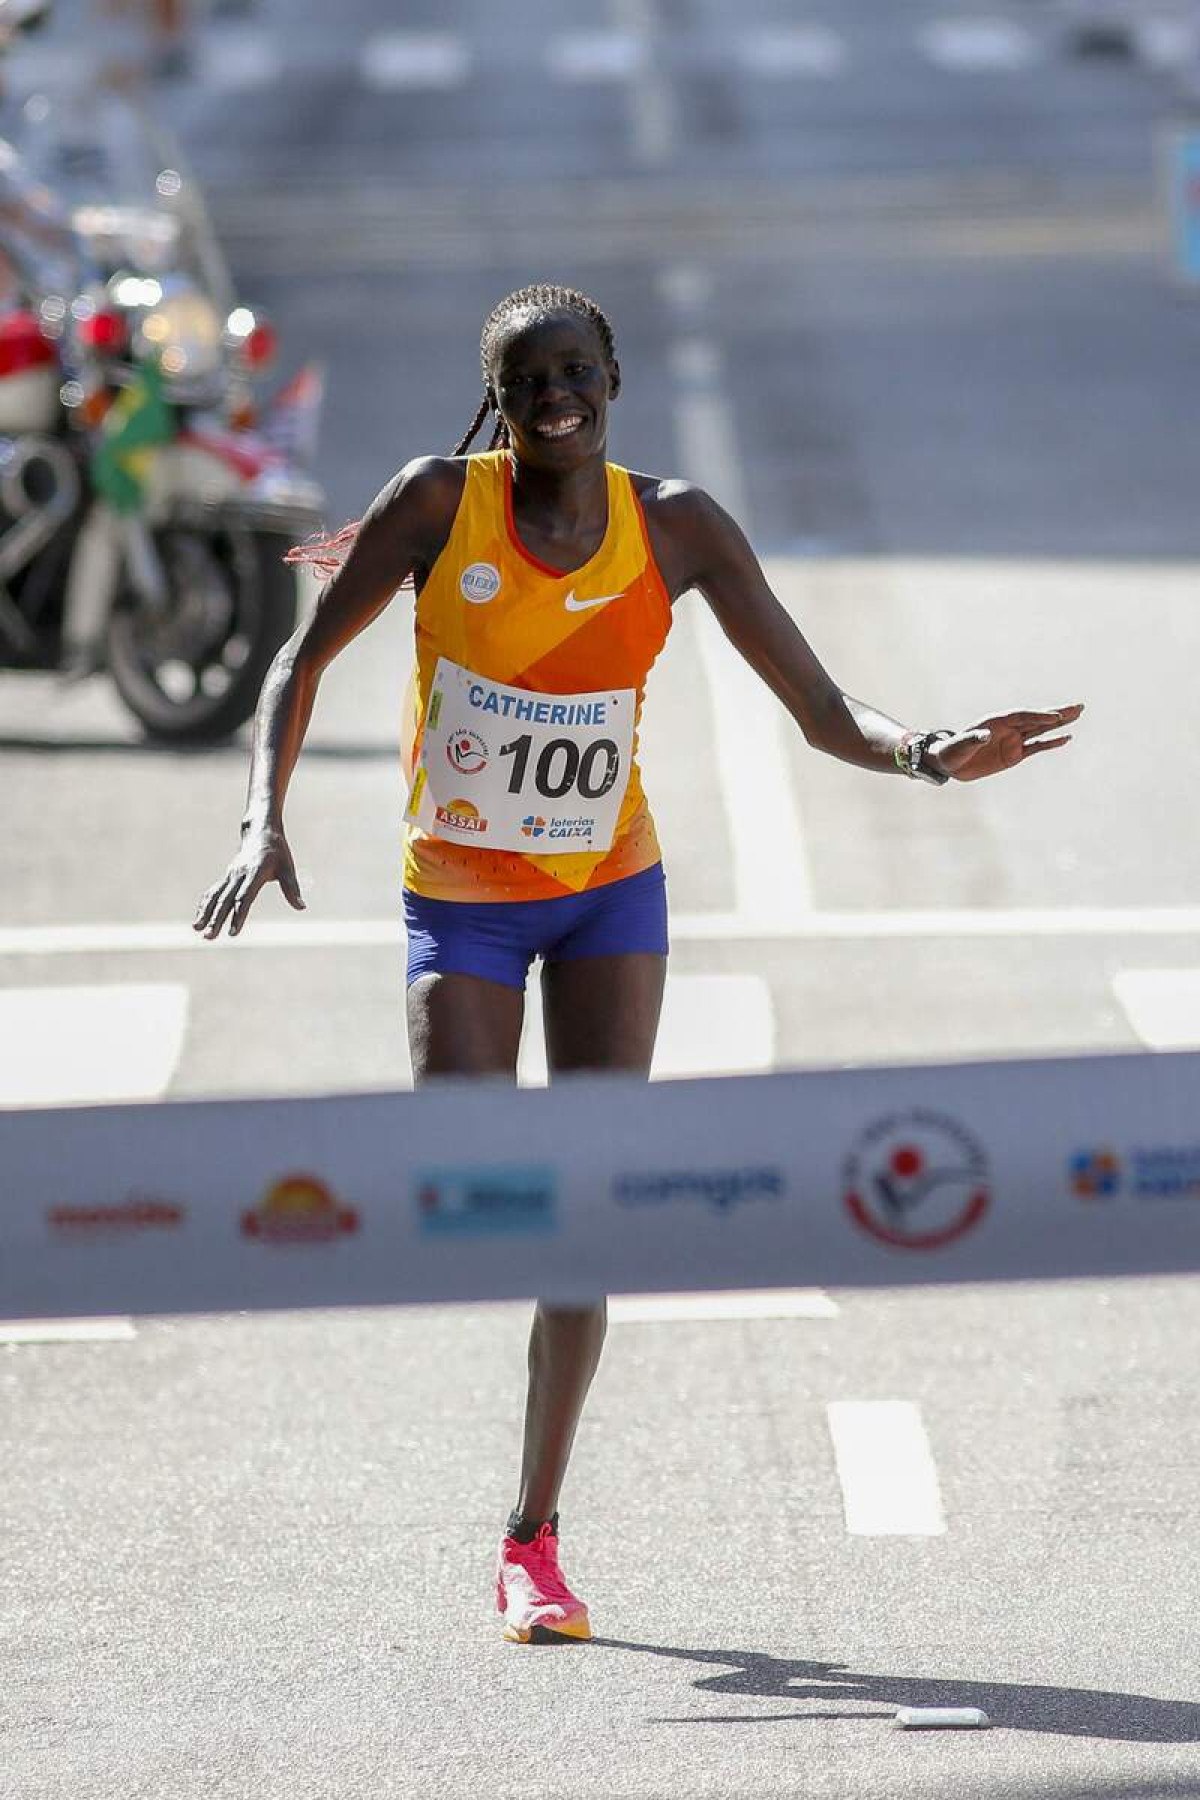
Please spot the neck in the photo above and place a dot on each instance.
(575, 496)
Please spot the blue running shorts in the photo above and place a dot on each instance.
(498, 939)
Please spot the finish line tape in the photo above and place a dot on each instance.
(602, 1184)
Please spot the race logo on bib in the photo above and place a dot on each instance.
(467, 752)
(479, 583)
(461, 815)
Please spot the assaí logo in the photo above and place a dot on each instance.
(722, 1189)
(299, 1209)
(499, 1199)
(460, 815)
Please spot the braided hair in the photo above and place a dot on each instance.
(327, 552)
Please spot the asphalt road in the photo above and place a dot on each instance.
(898, 294)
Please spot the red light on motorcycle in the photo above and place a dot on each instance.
(259, 346)
(103, 332)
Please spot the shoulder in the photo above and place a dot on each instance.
(430, 486)
(685, 525)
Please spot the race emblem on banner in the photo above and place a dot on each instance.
(507, 769)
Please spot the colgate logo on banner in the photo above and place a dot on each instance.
(917, 1181)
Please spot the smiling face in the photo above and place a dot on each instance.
(552, 384)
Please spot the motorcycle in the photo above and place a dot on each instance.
(145, 501)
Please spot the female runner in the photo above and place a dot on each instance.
(540, 569)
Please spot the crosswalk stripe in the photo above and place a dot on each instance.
(240, 58)
(66, 1331)
(583, 56)
(748, 1303)
(788, 51)
(64, 1046)
(414, 59)
(1162, 1005)
(886, 1469)
(711, 1025)
(978, 44)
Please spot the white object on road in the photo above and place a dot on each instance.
(742, 1303)
(940, 1718)
(66, 1331)
(886, 1468)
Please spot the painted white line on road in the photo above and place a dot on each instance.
(584, 56)
(66, 1331)
(978, 45)
(886, 1468)
(653, 120)
(238, 59)
(749, 1303)
(405, 60)
(104, 938)
(771, 876)
(67, 1046)
(1162, 1005)
(711, 1025)
(791, 50)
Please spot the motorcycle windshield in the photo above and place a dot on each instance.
(122, 183)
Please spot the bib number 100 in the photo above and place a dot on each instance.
(561, 766)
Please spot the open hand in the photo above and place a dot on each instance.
(1002, 742)
(264, 856)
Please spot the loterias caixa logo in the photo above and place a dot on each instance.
(916, 1180)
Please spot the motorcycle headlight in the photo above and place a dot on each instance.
(184, 331)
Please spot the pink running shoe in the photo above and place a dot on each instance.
(534, 1601)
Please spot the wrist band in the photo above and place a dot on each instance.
(911, 755)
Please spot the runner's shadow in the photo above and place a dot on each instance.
(1065, 1712)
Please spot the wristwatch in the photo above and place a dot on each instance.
(912, 755)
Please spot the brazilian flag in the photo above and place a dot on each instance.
(137, 422)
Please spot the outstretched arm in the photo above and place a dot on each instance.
(708, 551)
(401, 534)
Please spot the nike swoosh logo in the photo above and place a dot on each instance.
(574, 605)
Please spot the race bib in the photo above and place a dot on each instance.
(506, 769)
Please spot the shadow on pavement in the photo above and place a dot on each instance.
(1066, 1712)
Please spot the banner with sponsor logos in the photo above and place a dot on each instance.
(476, 1191)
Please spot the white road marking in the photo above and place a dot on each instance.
(584, 56)
(711, 1025)
(1166, 43)
(66, 1046)
(771, 876)
(405, 60)
(653, 120)
(105, 938)
(65, 1331)
(240, 58)
(886, 1468)
(978, 44)
(1162, 1005)
(749, 1303)
(782, 53)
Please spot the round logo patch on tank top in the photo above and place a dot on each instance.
(479, 583)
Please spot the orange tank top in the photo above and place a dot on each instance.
(495, 609)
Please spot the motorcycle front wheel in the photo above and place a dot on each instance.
(191, 673)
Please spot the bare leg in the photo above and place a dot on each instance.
(601, 1013)
(463, 1025)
